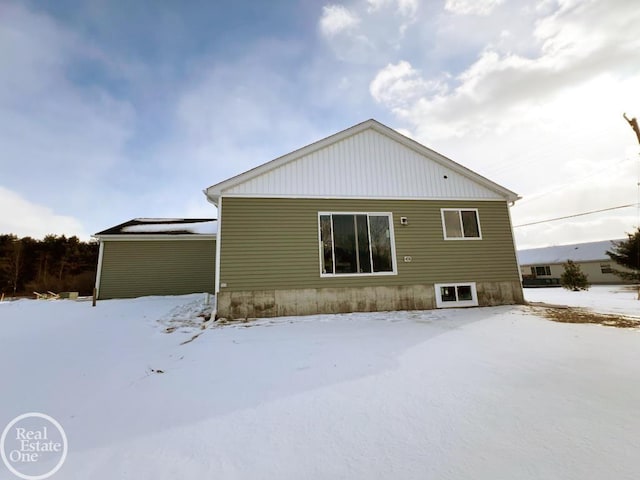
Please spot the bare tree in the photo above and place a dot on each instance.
(15, 263)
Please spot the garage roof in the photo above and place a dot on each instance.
(163, 226)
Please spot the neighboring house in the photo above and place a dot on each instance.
(544, 266)
(156, 256)
(364, 220)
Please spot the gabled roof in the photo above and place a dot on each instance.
(578, 252)
(162, 226)
(366, 160)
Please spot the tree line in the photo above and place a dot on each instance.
(55, 263)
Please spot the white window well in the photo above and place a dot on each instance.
(461, 224)
(356, 244)
(456, 295)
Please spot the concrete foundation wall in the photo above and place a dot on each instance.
(309, 301)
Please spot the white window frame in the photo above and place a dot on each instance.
(547, 268)
(341, 275)
(460, 210)
(459, 303)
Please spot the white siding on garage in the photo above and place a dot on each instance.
(367, 164)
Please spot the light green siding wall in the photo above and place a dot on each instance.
(157, 267)
(273, 244)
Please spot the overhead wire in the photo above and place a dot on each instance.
(578, 214)
(558, 187)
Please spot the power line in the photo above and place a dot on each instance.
(572, 182)
(577, 215)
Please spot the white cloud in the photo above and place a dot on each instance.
(58, 140)
(399, 85)
(367, 32)
(235, 116)
(375, 5)
(471, 7)
(30, 219)
(539, 122)
(337, 19)
(408, 8)
(341, 28)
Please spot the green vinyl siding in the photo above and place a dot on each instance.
(270, 243)
(157, 267)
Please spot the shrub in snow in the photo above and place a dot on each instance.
(573, 278)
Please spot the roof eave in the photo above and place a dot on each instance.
(155, 236)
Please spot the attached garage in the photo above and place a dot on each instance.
(156, 256)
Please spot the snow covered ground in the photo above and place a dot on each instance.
(618, 299)
(482, 393)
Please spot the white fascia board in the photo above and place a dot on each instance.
(135, 238)
(356, 197)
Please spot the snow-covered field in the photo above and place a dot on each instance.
(483, 393)
(618, 299)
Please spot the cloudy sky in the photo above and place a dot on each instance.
(111, 110)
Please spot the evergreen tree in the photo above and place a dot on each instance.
(55, 263)
(573, 278)
(627, 254)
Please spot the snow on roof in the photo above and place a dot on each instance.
(201, 228)
(166, 226)
(578, 252)
(160, 220)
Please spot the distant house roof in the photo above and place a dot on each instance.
(578, 252)
(163, 226)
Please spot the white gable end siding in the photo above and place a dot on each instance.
(367, 164)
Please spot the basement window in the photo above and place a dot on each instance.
(461, 224)
(356, 244)
(456, 295)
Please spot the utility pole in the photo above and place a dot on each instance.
(633, 122)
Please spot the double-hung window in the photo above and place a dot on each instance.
(461, 223)
(356, 244)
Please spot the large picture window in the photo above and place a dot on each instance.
(356, 244)
(461, 224)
